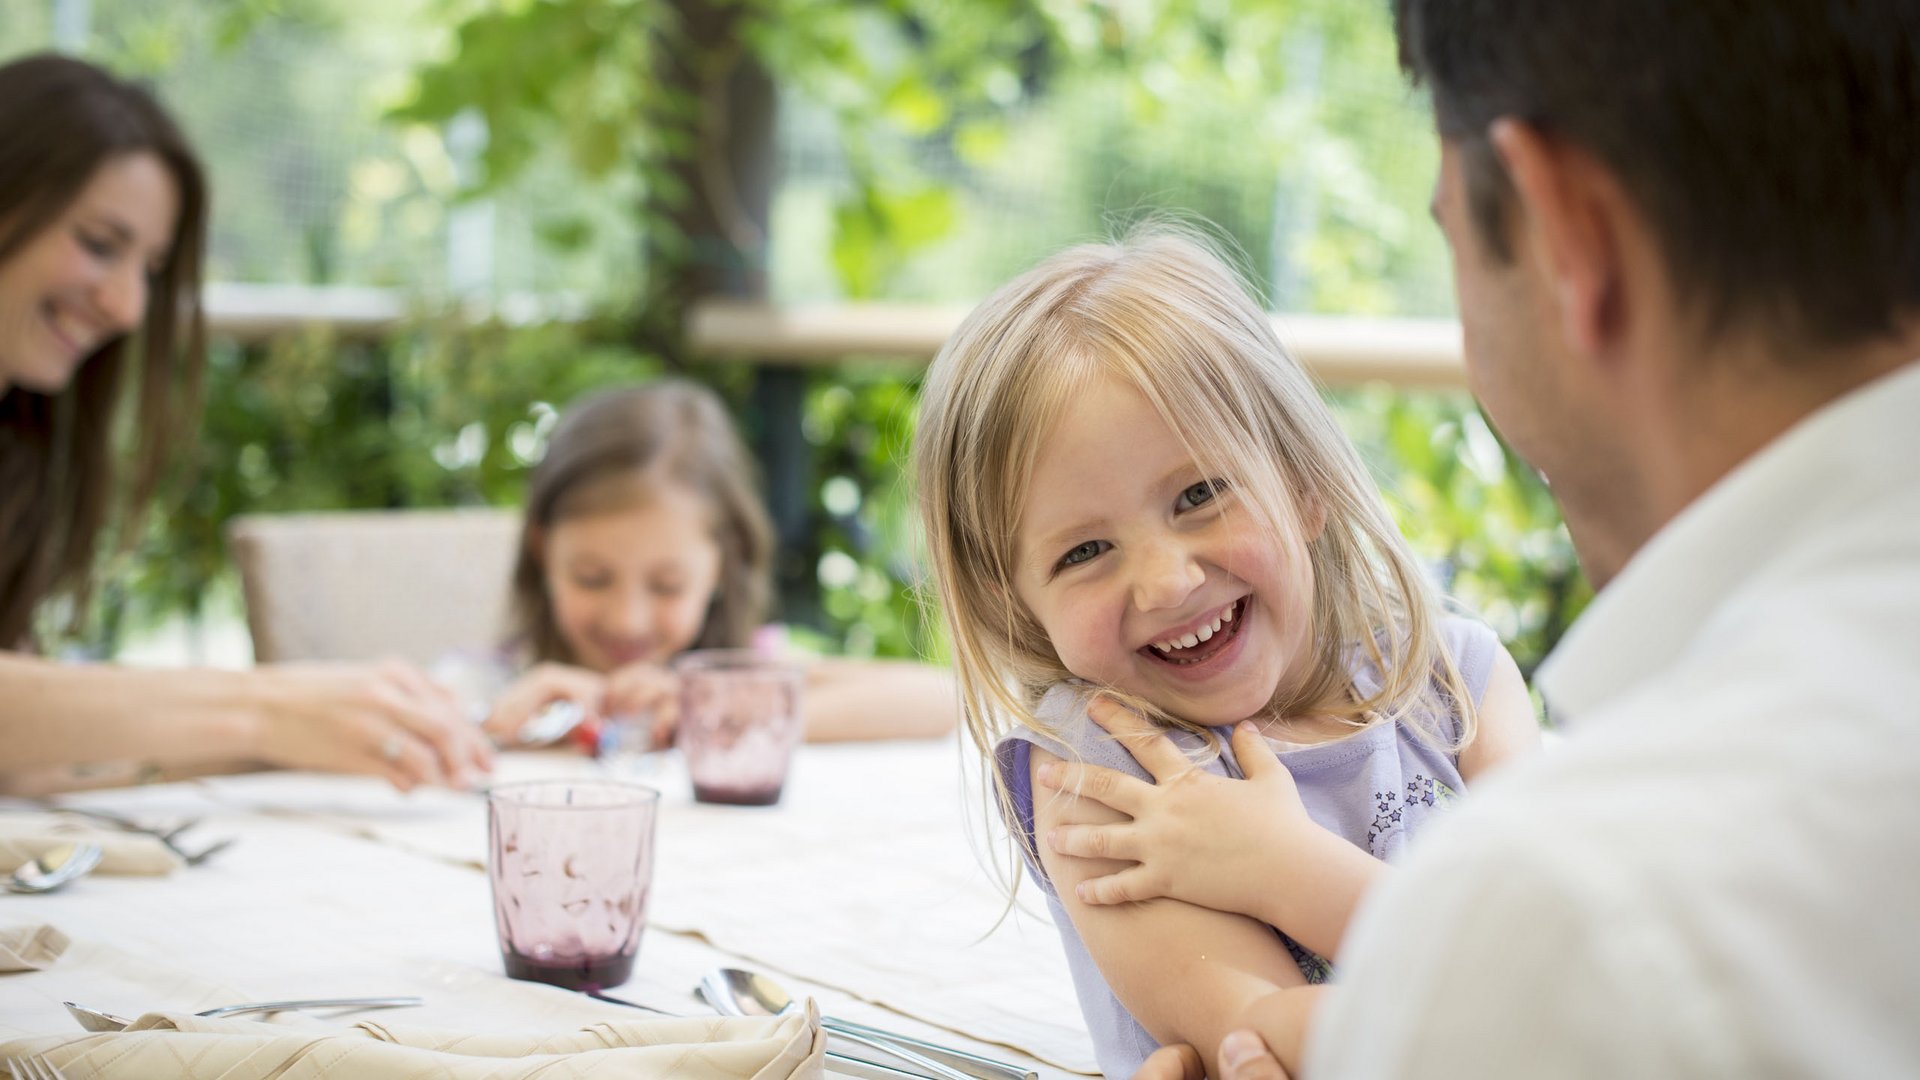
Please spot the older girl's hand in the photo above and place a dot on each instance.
(543, 685)
(1195, 836)
(386, 719)
(648, 691)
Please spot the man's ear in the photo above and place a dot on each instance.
(1569, 226)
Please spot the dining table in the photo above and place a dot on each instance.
(877, 886)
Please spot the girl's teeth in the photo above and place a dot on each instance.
(1205, 633)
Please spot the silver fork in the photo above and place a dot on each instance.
(33, 1067)
(169, 837)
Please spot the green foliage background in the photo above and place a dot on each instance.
(934, 149)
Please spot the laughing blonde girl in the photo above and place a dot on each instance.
(1134, 497)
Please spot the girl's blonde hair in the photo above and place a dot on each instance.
(611, 451)
(1163, 313)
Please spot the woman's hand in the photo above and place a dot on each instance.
(386, 719)
(647, 691)
(539, 687)
(1195, 836)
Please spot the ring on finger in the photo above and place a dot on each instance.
(392, 746)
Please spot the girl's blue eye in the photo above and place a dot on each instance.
(1082, 552)
(1201, 493)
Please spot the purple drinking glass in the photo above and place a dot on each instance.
(739, 722)
(571, 862)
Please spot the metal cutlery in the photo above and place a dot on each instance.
(33, 1067)
(840, 1064)
(734, 992)
(53, 868)
(97, 1020)
(169, 837)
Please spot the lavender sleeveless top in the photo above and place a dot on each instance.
(1375, 788)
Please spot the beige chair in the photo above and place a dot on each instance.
(370, 585)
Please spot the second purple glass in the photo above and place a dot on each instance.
(571, 862)
(739, 722)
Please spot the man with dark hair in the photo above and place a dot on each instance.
(1686, 239)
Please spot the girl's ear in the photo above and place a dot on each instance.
(1313, 515)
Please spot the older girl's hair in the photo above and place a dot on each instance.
(60, 120)
(1164, 314)
(610, 451)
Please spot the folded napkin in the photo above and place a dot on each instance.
(30, 947)
(699, 1048)
(28, 836)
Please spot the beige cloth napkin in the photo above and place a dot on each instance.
(31, 947)
(28, 836)
(790, 1047)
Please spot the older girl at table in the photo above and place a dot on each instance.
(1132, 494)
(645, 537)
(103, 213)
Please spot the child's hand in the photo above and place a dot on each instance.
(540, 687)
(1194, 835)
(645, 689)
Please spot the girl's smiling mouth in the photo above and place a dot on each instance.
(1203, 644)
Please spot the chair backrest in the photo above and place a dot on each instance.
(367, 585)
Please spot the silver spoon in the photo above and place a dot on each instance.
(54, 868)
(95, 1020)
(747, 993)
(842, 1065)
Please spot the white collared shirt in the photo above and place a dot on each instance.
(1717, 874)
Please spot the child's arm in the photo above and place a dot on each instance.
(1249, 847)
(1506, 728)
(878, 699)
(1188, 974)
(1243, 846)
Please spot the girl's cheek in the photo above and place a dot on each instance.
(1097, 638)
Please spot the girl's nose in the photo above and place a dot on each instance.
(632, 617)
(1168, 576)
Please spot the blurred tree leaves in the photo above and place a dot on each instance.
(1481, 518)
(1050, 119)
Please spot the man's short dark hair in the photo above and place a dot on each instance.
(1774, 145)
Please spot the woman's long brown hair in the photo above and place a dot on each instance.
(609, 450)
(61, 482)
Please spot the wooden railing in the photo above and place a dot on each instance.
(1341, 351)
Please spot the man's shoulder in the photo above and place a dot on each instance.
(1490, 934)
(1657, 891)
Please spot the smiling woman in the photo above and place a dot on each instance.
(102, 224)
(103, 215)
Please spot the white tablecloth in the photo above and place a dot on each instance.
(864, 887)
